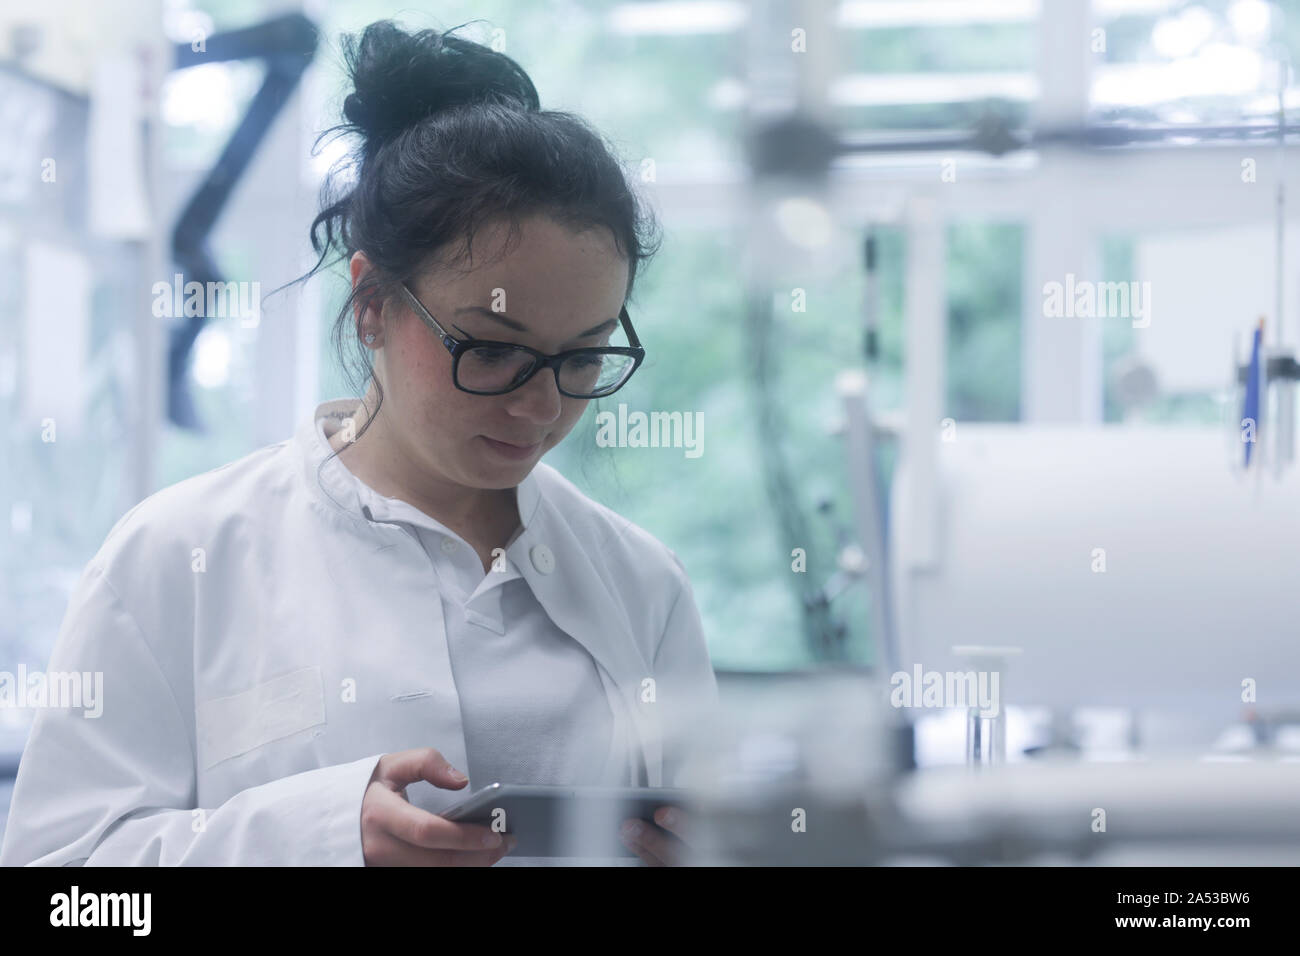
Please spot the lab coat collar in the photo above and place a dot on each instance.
(560, 567)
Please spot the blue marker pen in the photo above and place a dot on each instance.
(1251, 408)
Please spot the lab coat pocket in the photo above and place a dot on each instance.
(278, 708)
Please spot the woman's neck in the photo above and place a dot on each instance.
(472, 512)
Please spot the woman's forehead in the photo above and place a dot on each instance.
(538, 280)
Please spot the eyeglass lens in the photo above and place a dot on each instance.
(492, 368)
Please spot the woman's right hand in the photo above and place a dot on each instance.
(395, 833)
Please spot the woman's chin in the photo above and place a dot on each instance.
(491, 472)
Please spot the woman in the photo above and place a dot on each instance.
(303, 650)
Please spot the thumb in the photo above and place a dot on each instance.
(423, 763)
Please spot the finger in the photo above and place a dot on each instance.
(659, 843)
(421, 828)
(390, 851)
(630, 840)
(648, 858)
(649, 843)
(423, 763)
(673, 820)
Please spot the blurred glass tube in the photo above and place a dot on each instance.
(986, 739)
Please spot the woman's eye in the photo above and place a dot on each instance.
(492, 356)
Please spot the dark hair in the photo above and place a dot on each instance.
(452, 137)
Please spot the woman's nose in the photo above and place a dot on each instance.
(538, 399)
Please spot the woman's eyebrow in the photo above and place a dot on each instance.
(520, 327)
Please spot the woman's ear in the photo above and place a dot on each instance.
(360, 266)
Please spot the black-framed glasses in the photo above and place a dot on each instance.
(484, 367)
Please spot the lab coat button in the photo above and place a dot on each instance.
(543, 560)
(448, 545)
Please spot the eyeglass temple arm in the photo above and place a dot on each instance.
(423, 312)
(627, 324)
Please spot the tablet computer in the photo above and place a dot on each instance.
(564, 821)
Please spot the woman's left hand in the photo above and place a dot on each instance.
(655, 846)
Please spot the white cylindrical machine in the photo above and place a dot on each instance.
(1130, 564)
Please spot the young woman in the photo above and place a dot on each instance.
(306, 651)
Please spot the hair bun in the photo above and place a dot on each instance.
(400, 78)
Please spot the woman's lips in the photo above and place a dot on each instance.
(513, 452)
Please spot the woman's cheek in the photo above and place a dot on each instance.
(566, 425)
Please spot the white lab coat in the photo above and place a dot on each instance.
(262, 645)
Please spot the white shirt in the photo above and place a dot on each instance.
(518, 728)
(262, 643)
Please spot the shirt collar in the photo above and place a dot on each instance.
(344, 491)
